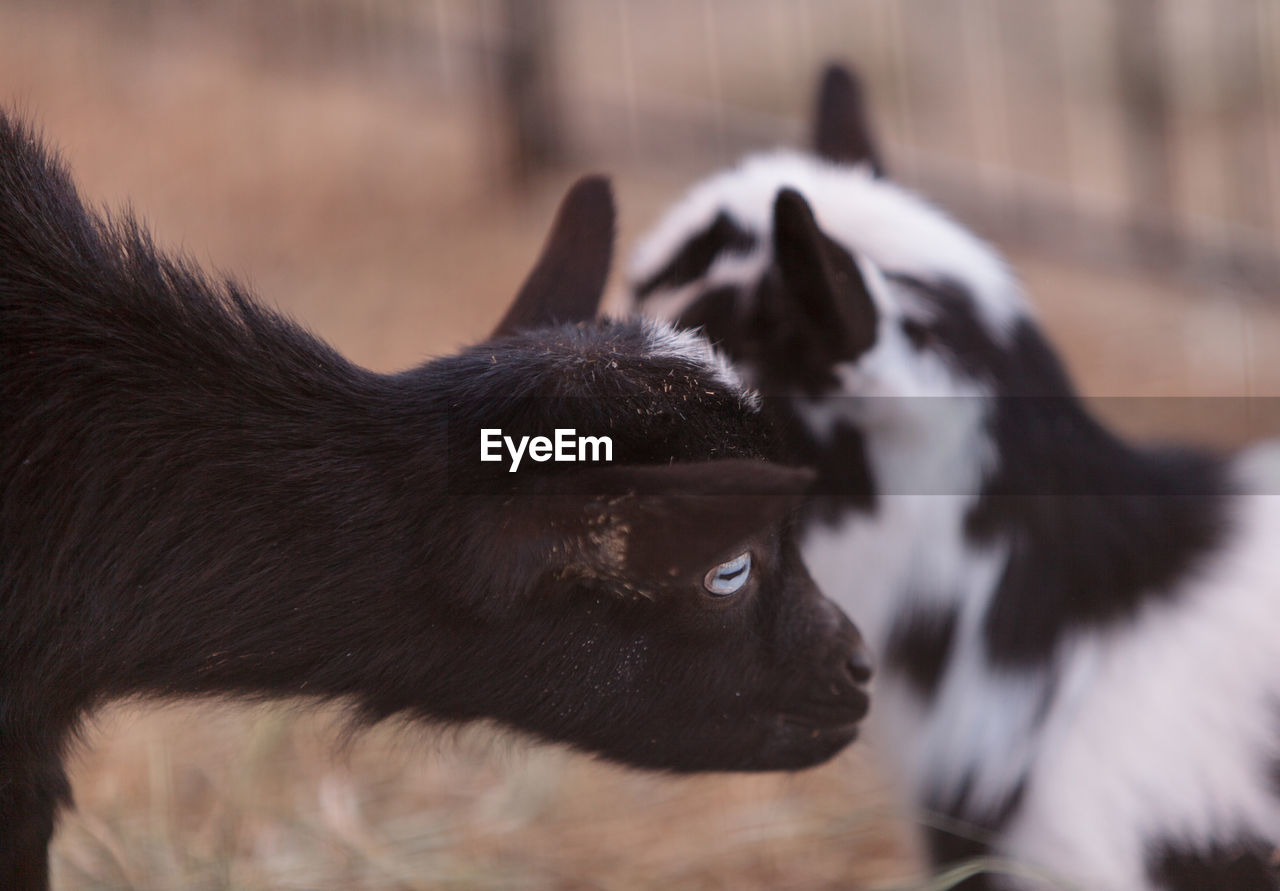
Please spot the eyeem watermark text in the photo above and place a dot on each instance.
(565, 447)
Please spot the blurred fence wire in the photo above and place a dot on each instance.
(1139, 131)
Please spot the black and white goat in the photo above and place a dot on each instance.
(199, 498)
(1079, 638)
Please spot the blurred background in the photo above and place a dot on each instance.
(384, 170)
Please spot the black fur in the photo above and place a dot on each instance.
(715, 315)
(199, 498)
(699, 252)
(919, 647)
(840, 459)
(842, 130)
(1249, 865)
(814, 311)
(810, 310)
(566, 284)
(1095, 526)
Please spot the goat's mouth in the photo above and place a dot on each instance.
(806, 725)
(801, 740)
(824, 726)
(823, 717)
(847, 706)
(789, 739)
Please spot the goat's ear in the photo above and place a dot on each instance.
(568, 281)
(841, 131)
(826, 296)
(677, 521)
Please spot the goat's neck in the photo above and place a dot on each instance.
(245, 530)
(909, 546)
(930, 474)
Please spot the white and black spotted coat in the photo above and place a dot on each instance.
(1079, 639)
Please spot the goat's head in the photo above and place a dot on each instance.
(653, 609)
(857, 302)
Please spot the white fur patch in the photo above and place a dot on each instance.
(1166, 727)
(895, 229)
(663, 340)
(1163, 728)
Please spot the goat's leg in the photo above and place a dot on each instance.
(30, 796)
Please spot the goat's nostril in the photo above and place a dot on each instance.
(858, 667)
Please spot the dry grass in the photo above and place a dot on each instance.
(208, 796)
(370, 213)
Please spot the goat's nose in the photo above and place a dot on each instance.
(857, 663)
(858, 666)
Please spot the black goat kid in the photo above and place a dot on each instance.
(199, 498)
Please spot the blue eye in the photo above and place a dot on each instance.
(728, 578)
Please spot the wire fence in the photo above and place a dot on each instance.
(1140, 131)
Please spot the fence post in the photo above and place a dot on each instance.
(1146, 106)
(530, 99)
(1242, 96)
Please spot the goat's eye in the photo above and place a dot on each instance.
(728, 578)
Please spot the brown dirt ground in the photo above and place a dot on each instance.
(372, 215)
